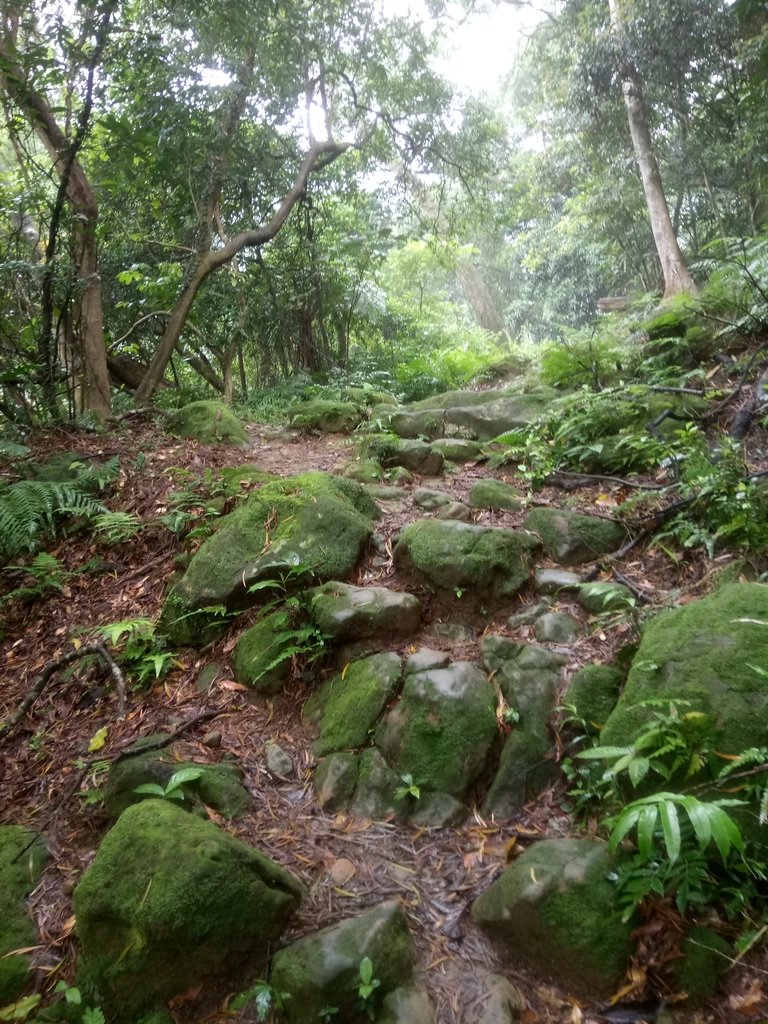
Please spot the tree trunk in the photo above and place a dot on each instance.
(479, 299)
(319, 155)
(76, 189)
(677, 277)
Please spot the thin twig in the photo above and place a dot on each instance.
(7, 727)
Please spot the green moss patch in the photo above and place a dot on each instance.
(172, 902)
(572, 539)
(210, 422)
(305, 528)
(326, 416)
(18, 878)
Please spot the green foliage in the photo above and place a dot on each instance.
(672, 746)
(31, 509)
(138, 648)
(263, 997)
(368, 985)
(292, 635)
(408, 788)
(116, 527)
(47, 574)
(174, 789)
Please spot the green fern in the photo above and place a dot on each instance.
(29, 510)
(755, 783)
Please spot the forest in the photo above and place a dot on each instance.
(384, 511)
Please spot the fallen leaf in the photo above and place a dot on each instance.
(98, 739)
(230, 684)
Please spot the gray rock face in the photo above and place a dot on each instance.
(528, 615)
(529, 677)
(348, 705)
(415, 455)
(441, 730)
(314, 522)
(348, 613)
(484, 422)
(454, 449)
(704, 653)
(490, 561)
(214, 908)
(407, 1006)
(554, 908)
(278, 762)
(414, 423)
(324, 969)
(429, 500)
(495, 494)
(455, 510)
(556, 628)
(552, 581)
(571, 538)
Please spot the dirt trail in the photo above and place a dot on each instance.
(347, 864)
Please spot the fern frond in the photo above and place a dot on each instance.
(754, 755)
(28, 511)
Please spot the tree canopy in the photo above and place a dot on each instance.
(213, 198)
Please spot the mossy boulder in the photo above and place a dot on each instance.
(18, 877)
(571, 538)
(365, 471)
(554, 908)
(348, 705)
(706, 958)
(327, 416)
(172, 902)
(219, 786)
(556, 628)
(261, 658)
(413, 423)
(429, 499)
(210, 422)
(593, 693)
(529, 678)
(456, 449)
(485, 421)
(708, 653)
(490, 561)
(442, 729)
(336, 780)
(414, 455)
(324, 969)
(314, 525)
(346, 613)
(495, 494)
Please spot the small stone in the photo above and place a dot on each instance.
(278, 762)
(208, 676)
(527, 616)
(453, 632)
(429, 500)
(425, 658)
(551, 581)
(455, 510)
(556, 628)
(212, 739)
(495, 494)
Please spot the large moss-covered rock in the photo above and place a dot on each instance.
(347, 613)
(554, 908)
(348, 706)
(491, 561)
(571, 538)
(172, 902)
(495, 494)
(326, 416)
(710, 653)
(414, 455)
(315, 522)
(261, 658)
(456, 449)
(219, 786)
(489, 420)
(593, 693)
(210, 422)
(18, 878)
(324, 969)
(441, 730)
(529, 678)
(413, 423)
